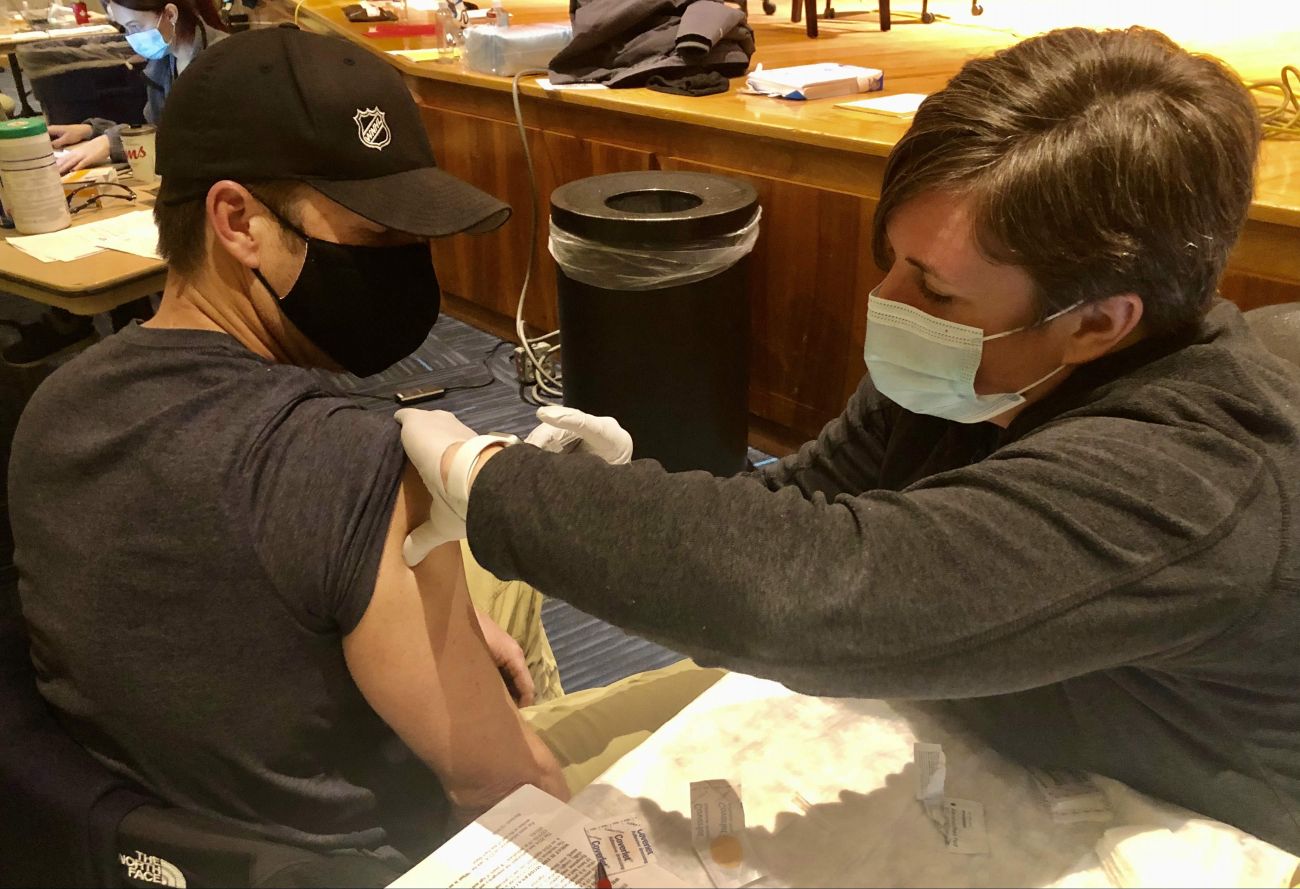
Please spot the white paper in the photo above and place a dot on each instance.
(718, 834)
(134, 232)
(528, 839)
(900, 104)
(821, 80)
(60, 246)
(532, 839)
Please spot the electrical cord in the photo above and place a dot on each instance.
(548, 384)
(1282, 118)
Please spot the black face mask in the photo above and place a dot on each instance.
(367, 308)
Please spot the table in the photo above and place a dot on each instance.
(9, 44)
(828, 789)
(85, 286)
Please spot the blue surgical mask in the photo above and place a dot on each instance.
(927, 365)
(149, 44)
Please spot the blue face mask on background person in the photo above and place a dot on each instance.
(149, 44)
(927, 365)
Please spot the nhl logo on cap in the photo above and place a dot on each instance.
(372, 128)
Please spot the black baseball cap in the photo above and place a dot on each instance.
(283, 104)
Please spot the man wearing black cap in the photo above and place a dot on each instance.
(210, 545)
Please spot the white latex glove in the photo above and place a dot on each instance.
(564, 428)
(426, 436)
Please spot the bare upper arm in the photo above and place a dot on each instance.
(419, 658)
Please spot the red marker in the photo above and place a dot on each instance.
(602, 878)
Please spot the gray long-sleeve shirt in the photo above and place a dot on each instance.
(1112, 583)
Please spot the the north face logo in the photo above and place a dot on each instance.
(151, 869)
(372, 128)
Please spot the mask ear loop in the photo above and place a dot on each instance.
(1050, 318)
(288, 226)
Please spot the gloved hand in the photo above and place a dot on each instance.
(426, 436)
(564, 429)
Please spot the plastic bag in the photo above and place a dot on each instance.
(615, 267)
(50, 57)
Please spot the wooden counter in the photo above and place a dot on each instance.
(817, 169)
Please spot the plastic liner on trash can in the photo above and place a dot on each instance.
(51, 57)
(654, 309)
(81, 77)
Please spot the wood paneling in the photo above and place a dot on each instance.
(488, 269)
(808, 280)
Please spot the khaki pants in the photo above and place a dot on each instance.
(590, 730)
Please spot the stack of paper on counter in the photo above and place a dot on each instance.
(815, 81)
(532, 839)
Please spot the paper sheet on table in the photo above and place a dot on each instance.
(134, 233)
(530, 839)
(60, 246)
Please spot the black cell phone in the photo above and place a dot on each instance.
(357, 12)
(415, 396)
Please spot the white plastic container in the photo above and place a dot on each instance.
(507, 51)
(33, 192)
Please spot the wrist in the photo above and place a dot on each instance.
(488, 453)
(463, 466)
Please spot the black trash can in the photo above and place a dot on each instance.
(654, 310)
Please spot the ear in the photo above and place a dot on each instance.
(238, 223)
(1102, 327)
(171, 14)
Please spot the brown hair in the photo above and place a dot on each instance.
(182, 227)
(1100, 162)
(191, 12)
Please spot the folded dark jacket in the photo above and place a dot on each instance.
(622, 43)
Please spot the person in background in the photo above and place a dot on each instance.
(169, 35)
(1064, 497)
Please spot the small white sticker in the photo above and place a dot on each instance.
(622, 844)
(931, 771)
(966, 834)
(1071, 796)
(718, 834)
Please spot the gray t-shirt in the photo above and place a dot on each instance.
(1111, 583)
(196, 529)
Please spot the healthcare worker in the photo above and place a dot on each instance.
(169, 35)
(1063, 499)
(166, 34)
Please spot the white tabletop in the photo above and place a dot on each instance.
(829, 795)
